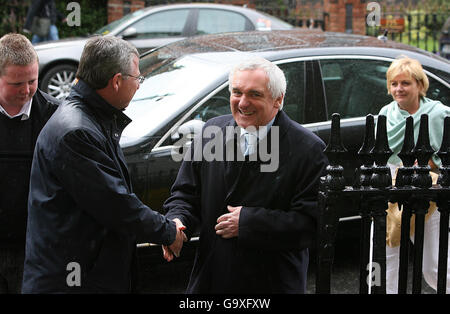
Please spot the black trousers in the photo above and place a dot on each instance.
(11, 270)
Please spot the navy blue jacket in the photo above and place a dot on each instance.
(277, 221)
(81, 206)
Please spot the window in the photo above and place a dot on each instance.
(355, 87)
(437, 91)
(349, 18)
(219, 21)
(217, 105)
(294, 100)
(162, 24)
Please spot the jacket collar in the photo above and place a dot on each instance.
(105, 111)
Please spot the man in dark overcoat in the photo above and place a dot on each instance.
(256, 208)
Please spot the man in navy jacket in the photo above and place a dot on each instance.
(256, 220)
(83, 217)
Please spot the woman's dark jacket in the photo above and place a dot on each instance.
(81, 205)
(278, 219)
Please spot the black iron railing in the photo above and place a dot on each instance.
(418, 29)
(413, 190)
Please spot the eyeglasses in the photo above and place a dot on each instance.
(140, 78)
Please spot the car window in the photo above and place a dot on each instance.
(218, 21)
(357, 87)
(438, 91)
(162, 24)
(354, 87)
(294, 100)
(217, 105)
(111, 26)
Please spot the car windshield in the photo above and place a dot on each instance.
(170, 86)
(111, 26)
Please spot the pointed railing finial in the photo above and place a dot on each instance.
(365, 170)
(407, 152)
(405, 173)
(444, 155)
(335, 179)
(423, 149)
(381, 177)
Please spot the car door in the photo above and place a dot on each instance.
(159, 28)
(353, 87)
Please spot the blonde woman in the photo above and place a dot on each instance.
(408, 84)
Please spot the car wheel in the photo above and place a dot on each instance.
(59, 80)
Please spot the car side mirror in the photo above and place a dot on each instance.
(187, 131)
(130, 32)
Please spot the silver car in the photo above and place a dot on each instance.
(146, 29)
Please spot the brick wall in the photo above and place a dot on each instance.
(118, 8)
(335, 20)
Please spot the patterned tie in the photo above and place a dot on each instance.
(250, 144)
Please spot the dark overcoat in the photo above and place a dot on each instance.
(278, 218)
(83, 217)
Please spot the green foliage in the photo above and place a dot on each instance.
(423, 25)
(12, 15)
(93, 16)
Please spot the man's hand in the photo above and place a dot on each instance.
(228, 224)
(175, 248)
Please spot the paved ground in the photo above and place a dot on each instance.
(345, 273)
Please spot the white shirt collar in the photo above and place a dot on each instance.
(24, 112)
(261, 132)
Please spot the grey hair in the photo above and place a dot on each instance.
(277, 80)
(102, 58)
(16, 49)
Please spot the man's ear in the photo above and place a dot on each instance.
(278, 102)
(116, 81)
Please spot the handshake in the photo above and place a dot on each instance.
(227, 227)
(175, 248)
